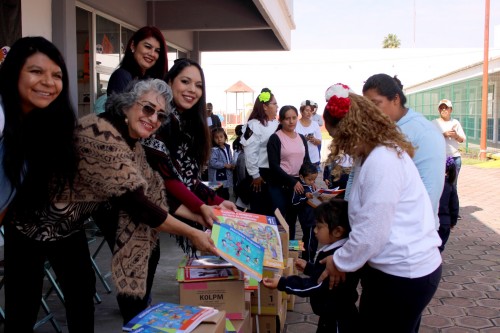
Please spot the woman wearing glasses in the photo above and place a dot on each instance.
(139, 198)
(262, 123)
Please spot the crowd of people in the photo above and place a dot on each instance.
(135, 169)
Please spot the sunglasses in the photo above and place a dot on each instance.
(148, 111)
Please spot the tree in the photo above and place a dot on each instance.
(391, 42)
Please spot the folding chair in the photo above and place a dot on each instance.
(93, 233)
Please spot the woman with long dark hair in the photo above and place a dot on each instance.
(145, 57)
(262, 123)
(40, 161)
(181, 148)
(287, 151)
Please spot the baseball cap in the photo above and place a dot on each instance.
(307, 102)
(446, 102)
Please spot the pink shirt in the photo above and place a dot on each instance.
(292, 153)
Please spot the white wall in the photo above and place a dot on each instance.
(496, 37)
(37, 18)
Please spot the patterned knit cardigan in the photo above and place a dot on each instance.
(109, 168)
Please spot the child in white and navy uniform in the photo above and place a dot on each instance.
(335, 307)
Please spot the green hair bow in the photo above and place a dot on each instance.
(265, 97)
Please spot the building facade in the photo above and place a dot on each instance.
(92, 34)
(464, 88)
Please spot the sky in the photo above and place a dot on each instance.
(334, 24)
(341, 41)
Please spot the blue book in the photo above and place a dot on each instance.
(168, 317)
(238, 249)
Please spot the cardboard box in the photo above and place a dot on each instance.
(240, 326)
(213, 324)
(293, 254)
(265, 301)
(270, 324)
(226, 296)
(284, 233)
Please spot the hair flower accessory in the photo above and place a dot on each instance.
(450, 161)
(265, 96)
(338, 100)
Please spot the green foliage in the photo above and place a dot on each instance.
(391, 41)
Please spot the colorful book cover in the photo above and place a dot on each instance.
(296, 245)
(238, 249)
(261, 229)
(207, 261)
(148, 329)
(207, 268)
(168, 317)
(230, 327)
(321, 195)
(251, 283)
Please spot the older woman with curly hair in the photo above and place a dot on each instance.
(393, 236)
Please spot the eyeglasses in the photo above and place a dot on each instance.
(148, 111)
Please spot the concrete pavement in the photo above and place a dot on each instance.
(467, 301)
(468, 298)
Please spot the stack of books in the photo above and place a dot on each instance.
(248, 241)
(168, 317)
(207, 268)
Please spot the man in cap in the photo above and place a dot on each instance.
(452, 131)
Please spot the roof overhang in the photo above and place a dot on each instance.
(225, 25)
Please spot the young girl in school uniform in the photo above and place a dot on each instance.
(220, 166)
(448, 205)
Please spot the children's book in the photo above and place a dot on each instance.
(296, 245)
(259, 228)
(251, 283)
(206, 268)
(147, 329)
(238, 249)
(168, 317)
(230, 327)
(213, 185)
(322, 195)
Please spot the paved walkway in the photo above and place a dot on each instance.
(468, 299)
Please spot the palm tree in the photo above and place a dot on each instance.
(391, 42)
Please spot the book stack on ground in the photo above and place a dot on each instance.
(168, 317)
(212, 281)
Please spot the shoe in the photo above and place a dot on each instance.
(459, 217)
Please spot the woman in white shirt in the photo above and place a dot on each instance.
(310, 130)
(261, 124)
(393, 238)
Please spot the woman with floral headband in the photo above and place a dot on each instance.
(261, 124)
(393, 236)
